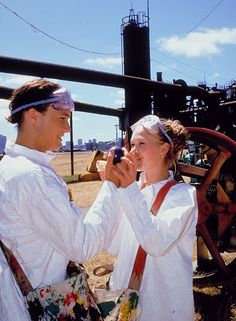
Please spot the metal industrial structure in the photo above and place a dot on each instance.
(201, 109)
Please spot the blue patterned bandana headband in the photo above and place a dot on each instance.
(61, 100)
(153, 124)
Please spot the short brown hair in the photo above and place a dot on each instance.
(34, 90)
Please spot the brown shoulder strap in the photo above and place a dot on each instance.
(17, 271)
(25, 286)
(140, 260)
(161, 196)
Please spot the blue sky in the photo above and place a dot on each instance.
(192, 40)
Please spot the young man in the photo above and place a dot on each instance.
(38, 222)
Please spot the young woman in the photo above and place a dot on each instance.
(168, 238)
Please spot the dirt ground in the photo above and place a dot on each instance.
(209, 302)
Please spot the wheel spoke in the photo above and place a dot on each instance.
(216, 208)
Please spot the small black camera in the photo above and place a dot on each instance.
(118, 153)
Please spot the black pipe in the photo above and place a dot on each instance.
(71, 146)
(49, 70)
(5, 93)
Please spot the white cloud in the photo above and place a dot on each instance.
(4, 103)
(215, 75)
(119, 98)
(75, 97)
(105, 62)
(121, 92)
(119, 102)
(3, 114)
(205, 42)
(4, 110)
(75, 117)
(17, 80)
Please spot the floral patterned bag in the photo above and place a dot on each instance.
(72, 299)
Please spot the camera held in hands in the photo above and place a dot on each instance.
(118, 153)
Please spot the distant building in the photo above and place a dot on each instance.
(102, 146)
(67, 145)
(91, 145)
(80, 142)
(3, 140)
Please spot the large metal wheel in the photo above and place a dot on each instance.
(214, 176)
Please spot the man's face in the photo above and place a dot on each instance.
(50, 128)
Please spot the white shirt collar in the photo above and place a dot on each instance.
(13, 149)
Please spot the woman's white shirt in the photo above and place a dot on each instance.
(166, 291)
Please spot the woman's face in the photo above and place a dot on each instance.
(146, 148)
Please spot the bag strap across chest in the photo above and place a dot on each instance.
(140, 260)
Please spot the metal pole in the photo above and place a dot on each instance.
(116, 126)
(71, 145)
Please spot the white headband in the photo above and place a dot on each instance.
(153, 124)
(60, 98)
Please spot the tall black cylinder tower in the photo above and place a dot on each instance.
(136, 55)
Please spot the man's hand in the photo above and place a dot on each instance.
(108, 172)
